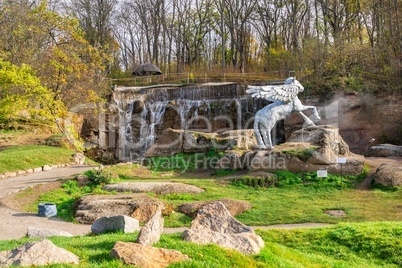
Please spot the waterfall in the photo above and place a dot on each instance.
(141, 113)
(157, 110)
(125, 104)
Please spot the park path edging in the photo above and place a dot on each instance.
(13, 174)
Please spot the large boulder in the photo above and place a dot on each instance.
(198, 142)
(146, 256)
(153, 187)
(42, 252)
(214, 224)
(169, 143)
(389, 174)
(152, 230)
(385, 150)
(327, 141)
(242, 139)
(124, 224)
(235, 207)
(140, 206)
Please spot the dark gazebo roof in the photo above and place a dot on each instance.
(147, 69)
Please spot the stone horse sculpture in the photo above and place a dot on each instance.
(285, 101)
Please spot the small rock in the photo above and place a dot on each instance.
(79, 158)
(38, 169)
(2, 176)
(37, 253)
(82, 180)
(46, 168)
(33, 232)
(21, 172)
(10, 174)
(146, 256)
(152, 230)
(115, 223)
(30, 170)
(336, 213)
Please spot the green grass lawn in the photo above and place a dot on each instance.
(377, 244)
(369, 236)
(16, 158)
(298, 203)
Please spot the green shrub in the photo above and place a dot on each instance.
(302, 154)
(179, 196)
(224, 172)
(285, 178)
(71, 187)
(98, 177)
(255, 181)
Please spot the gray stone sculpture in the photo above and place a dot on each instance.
(285, 101)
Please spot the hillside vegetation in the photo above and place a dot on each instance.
(62, 56)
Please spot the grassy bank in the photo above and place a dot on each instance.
(31, 156)
(345, 245)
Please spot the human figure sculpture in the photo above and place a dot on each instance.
(285, 101)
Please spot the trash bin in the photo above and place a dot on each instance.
(47, 210)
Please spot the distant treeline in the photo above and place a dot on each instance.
(72, 46)
(338, 43)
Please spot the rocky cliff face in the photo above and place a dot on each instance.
(359, 117)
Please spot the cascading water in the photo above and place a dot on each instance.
(125, 105)
(157, 110)
(209, 108)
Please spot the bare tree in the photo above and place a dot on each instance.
(95, 18)
(202, 24)
(149, 13)
(266, 23)
(236, 15)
